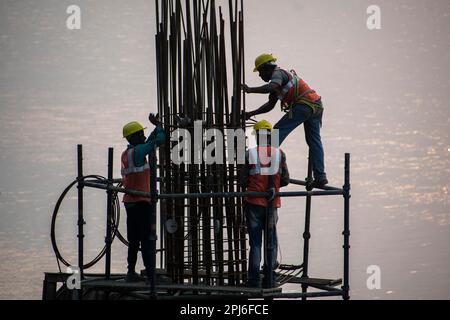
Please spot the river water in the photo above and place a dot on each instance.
(386, 94)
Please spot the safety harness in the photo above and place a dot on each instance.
(297, 97)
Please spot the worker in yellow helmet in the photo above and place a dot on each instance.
(301, 105)
(265, 171)
(136, 176)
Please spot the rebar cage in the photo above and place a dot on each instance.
(204, 239)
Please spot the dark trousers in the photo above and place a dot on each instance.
(302, 113)
(139, 233)
(256, 221)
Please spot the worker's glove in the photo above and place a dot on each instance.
(271, 196)
(154, 119)
(245, 117)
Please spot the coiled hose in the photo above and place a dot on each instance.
(115, 224)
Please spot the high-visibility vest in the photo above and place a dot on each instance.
(134, 178)
(264, 162)
(295, 90)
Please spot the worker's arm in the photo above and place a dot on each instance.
(264, 89)
(268, 106)
(284, 179)
(158, 135)
(156, 138)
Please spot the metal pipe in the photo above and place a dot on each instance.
(306, 233)
(109, 210)
(295, 295)
(346, 233)
(268, 238)
(287, 194)
(162, 179)
(153, 237)
(81, 221)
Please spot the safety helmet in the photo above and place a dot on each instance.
(263, 125)
(131, 128)
(263, 59)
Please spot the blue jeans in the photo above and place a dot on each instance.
(256, 219)
(303, 114)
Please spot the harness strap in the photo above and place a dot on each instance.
(293, 82)
(305, 93)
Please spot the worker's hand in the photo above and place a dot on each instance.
(154, 119)
(246, 88)
(271, 196)
(248, 115)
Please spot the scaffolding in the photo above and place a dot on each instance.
(202, 245)
(190, 285)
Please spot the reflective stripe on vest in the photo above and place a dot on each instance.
(290, 92)
(275, 162)
(258, 180)
(134, 178)
(131, 167)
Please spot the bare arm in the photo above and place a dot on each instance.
(264, 89)
(268, 106)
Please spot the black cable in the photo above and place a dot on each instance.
(115, 223)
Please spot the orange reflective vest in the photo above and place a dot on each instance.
(134, 178)
(294, 90)
(264, 162)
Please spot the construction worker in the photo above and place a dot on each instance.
(301, 104)
(265, 171)
(136, 176)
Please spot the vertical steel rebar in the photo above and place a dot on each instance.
(192, 82)
(346, 233)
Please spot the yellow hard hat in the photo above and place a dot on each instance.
(263, 125)
(131, 128)
(262, 59)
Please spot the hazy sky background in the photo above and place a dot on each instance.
(386, 95)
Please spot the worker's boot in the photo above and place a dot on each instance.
(318, 184)
(133, 277)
